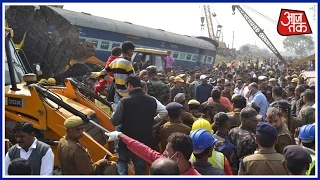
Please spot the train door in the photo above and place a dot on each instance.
(201, 58)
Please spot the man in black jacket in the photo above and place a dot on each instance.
(136, 114)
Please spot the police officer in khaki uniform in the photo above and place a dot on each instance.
(265, 161)
(74, 158)
(284, 135)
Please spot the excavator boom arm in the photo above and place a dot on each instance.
(259, 32)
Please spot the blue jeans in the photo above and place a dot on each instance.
(117, 128)
(116, 100)
(124, 156)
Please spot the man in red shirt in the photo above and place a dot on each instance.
(178, 149)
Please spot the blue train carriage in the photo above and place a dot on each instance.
(187, 51)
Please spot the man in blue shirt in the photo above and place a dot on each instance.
(258, 98)
(203, 91)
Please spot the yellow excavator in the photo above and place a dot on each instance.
(25, 100)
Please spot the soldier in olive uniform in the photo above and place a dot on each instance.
(156, 87)
(284, 135)
(74, 158)
(265, 161)
(307, 112)
(243, 137)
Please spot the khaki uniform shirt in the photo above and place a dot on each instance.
(265, 162)
(170, 127)
(294, 124)
(284, 138)
(75, 159)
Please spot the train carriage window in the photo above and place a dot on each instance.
(175, 55)
(182, 56)
(115, 45)
(82, 39)
(104, 45)
(209, 60)
(188, 56)
(95, 42)
(194, 57)
(205, 59)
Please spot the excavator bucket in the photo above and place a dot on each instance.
(50, 40)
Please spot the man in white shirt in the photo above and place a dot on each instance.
(39, 154)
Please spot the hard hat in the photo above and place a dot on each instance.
(295, 76)
(202, 123)
(43, 81)
(182, 75)
(234, 95)
(178, 79)
(52, 81)
(295, 80)
(201, 139)
(307, 133)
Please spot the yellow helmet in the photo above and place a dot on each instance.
(202, 124)
(43, 81)
(234, 95)
(52, 81)
(295, 80)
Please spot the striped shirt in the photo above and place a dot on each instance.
(121, 69)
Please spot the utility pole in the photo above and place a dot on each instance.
(232, 39)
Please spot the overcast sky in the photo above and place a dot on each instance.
(184, 18)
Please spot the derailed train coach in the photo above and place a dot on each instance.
(105, 34)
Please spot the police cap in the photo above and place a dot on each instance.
(297, 155)
(73, 122)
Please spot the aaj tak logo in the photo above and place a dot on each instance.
(293, 22)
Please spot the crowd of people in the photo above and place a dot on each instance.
(250, 120)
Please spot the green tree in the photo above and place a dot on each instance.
(300, 45)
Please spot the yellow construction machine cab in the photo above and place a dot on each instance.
(25, 100)
(144, 57)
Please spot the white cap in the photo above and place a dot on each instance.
(203, 77)
(261, 78)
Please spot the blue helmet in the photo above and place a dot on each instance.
(307, 132)
(202, 139)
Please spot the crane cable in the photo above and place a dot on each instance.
(275, 22)
(215, 16)
(262, 15)
(267, 29)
